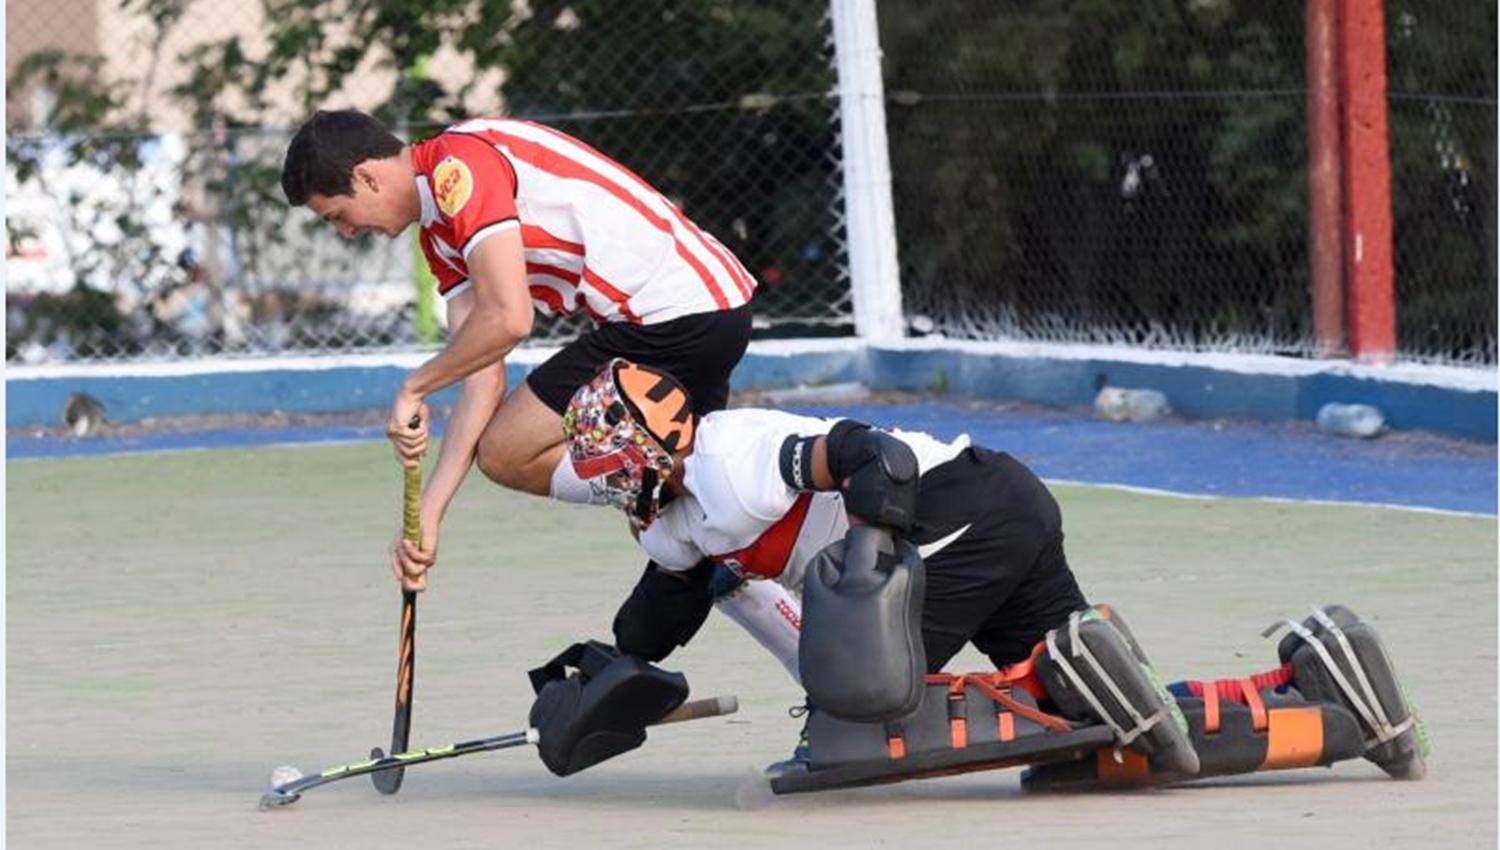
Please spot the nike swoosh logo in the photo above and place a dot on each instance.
(939, 545)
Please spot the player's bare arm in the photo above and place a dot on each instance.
(822, 478)
(498, 321)
(480, 395)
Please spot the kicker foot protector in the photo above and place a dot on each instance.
(1092, 672)
(965, 723)
(602, 708)
(1338, 658)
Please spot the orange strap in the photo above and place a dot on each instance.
(1007, 726)
(992, 686)
(1023, 674)
(896, 747)
(959, 732)
(1019, 670)
(1036, 716)
(895, 740)
(1257, 707)
(1210, 708)
(958, 721)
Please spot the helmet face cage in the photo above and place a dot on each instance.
(611, 447)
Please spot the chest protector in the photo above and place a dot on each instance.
(861, 654)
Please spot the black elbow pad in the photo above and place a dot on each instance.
(877, 473)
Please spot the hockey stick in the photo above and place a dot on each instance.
(290, 791)
(389, 782)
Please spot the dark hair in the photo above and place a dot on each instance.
(321, 158)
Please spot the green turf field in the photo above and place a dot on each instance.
(180, 624)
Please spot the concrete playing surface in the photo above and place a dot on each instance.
(180, 624)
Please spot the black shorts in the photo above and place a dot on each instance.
(1003, 583)
(699, 350)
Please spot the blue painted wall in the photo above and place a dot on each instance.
(132, 398)
(1195, 392)
(1237, 459)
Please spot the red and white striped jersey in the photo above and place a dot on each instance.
(738, 510)
(597, 237)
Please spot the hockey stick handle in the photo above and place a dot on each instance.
(697, 709)
(411, 505)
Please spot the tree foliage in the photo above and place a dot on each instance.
(1442, 77)
(1130, 170)
(1138, 171)
(1060, 165)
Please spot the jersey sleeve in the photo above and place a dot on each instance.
(448, 277)
(757, 473)
(750, 462)
(474, 186)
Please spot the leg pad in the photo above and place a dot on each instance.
(1092, 671)
(1292, 734)
(1340, 659)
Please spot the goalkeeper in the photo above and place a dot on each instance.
(761, 493)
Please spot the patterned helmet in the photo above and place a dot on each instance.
(622, 428)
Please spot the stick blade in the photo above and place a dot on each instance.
(386, 781)
(274, 799)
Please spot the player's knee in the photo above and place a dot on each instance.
(496, 458)
(488, 459)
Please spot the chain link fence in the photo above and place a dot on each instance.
(1090, 171)
(1136, 173)
(1103, 173)
(144, 213)
(1442, 116)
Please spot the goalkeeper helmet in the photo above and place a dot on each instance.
(622, 429)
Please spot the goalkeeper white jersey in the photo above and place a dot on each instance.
(739, 512)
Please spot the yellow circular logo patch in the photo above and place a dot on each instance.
(452, 184)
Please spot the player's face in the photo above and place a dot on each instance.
(367, 210)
